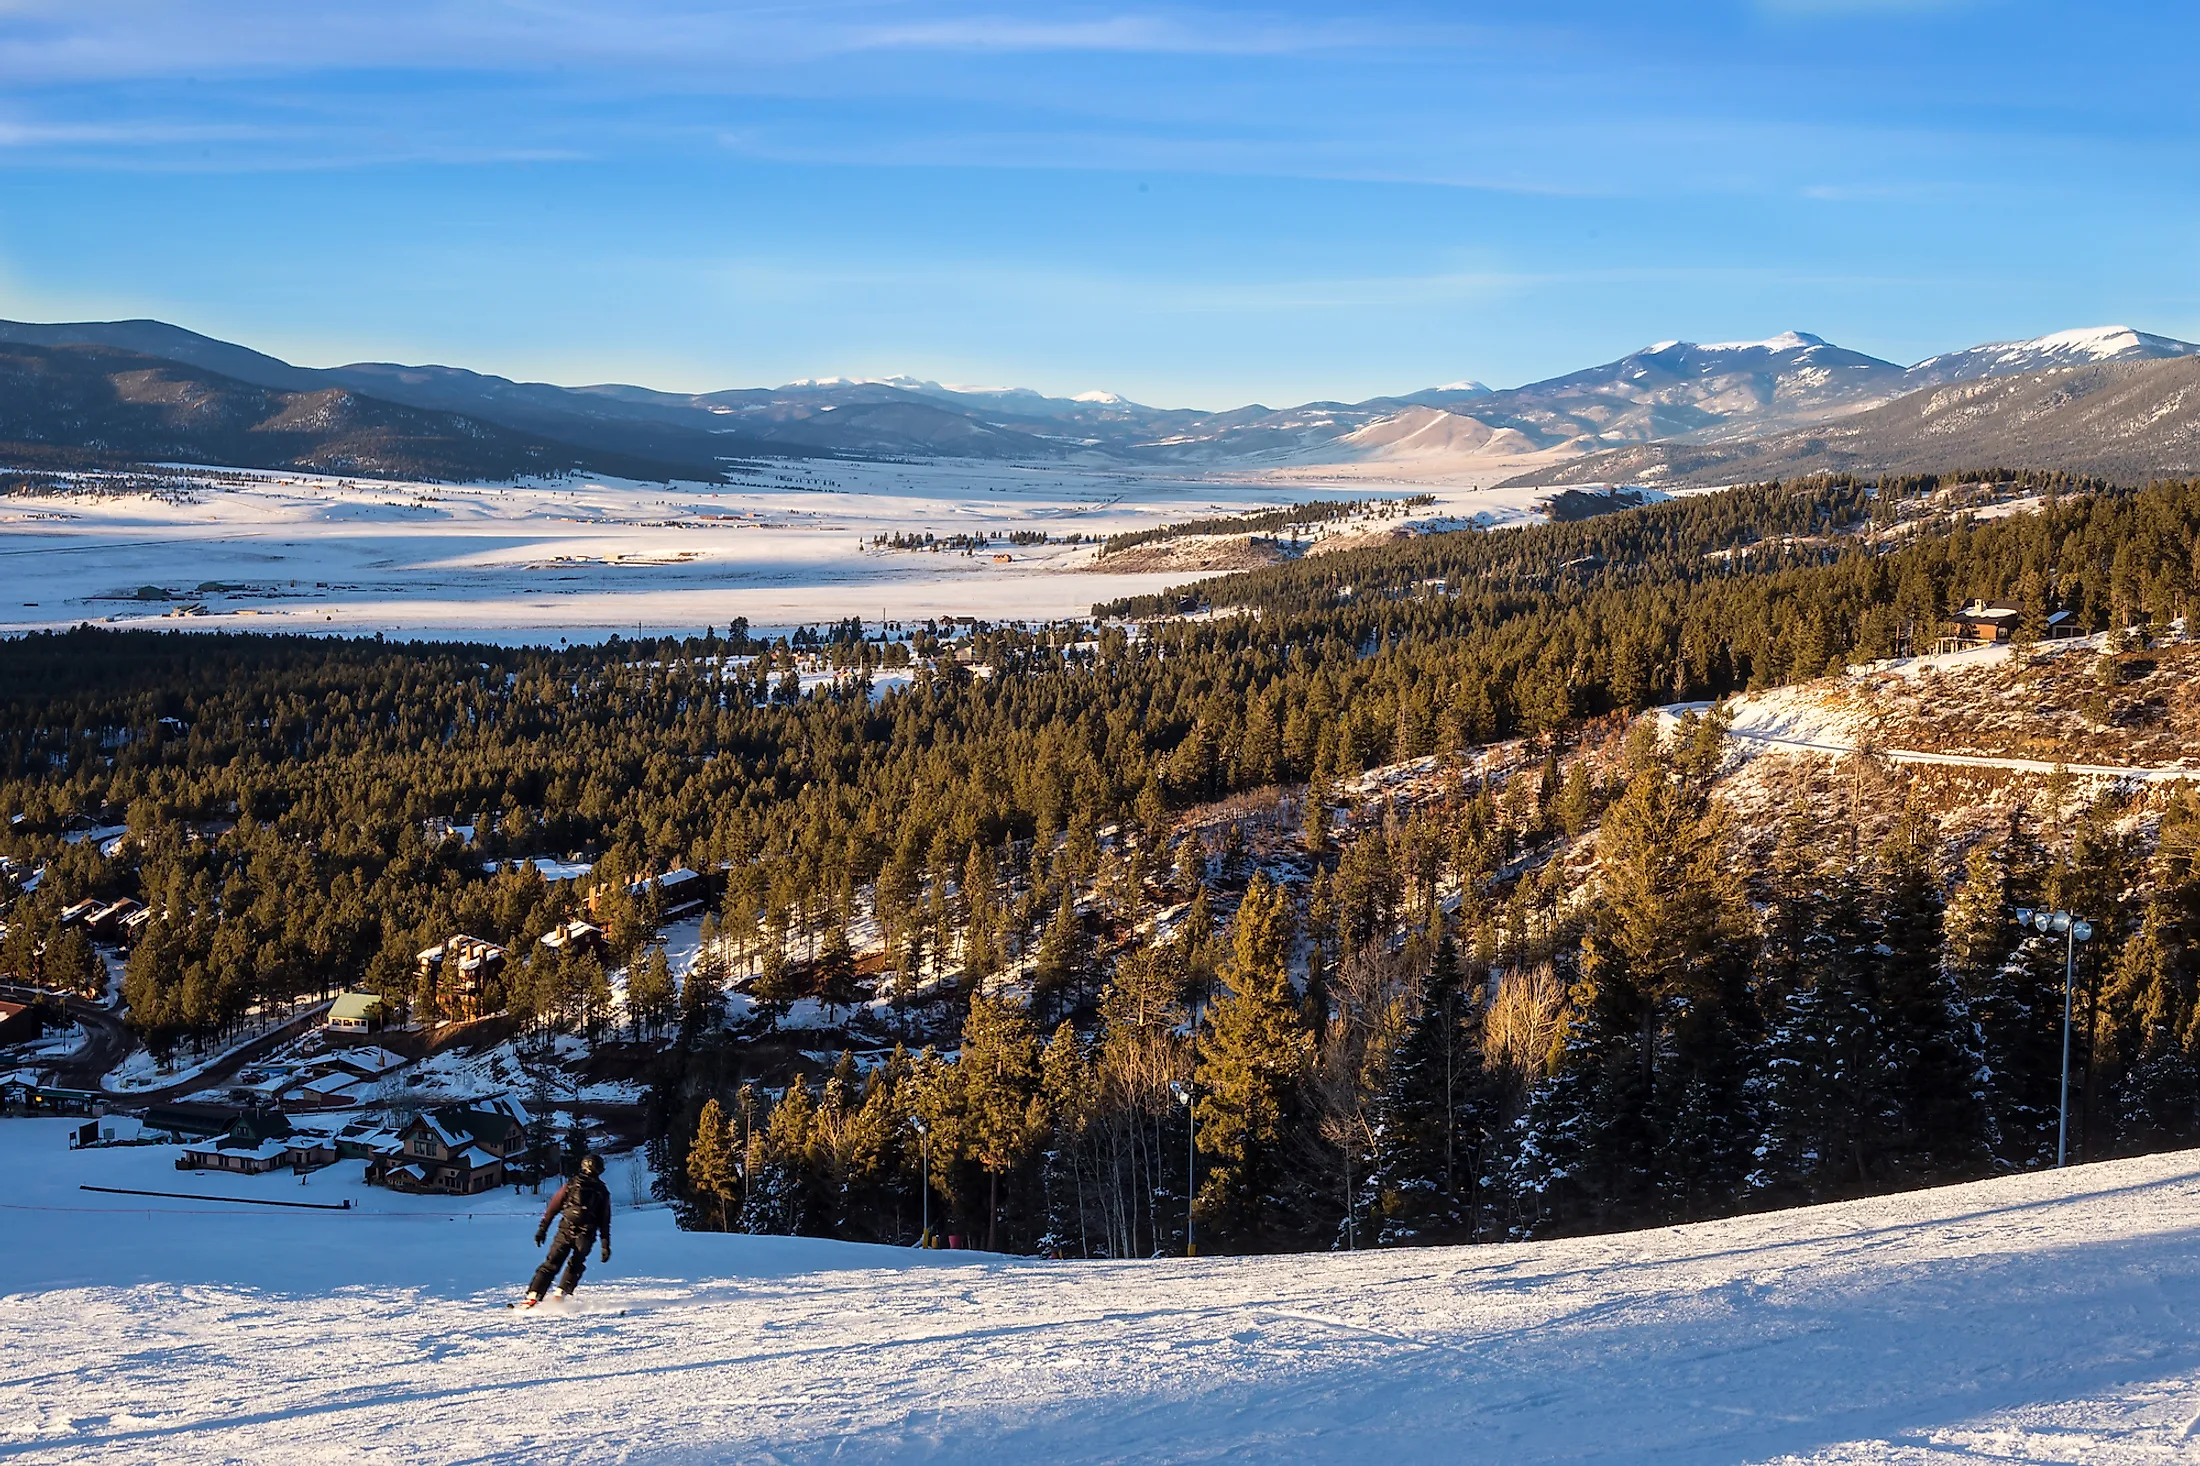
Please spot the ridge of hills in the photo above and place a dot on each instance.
(1694, 402)
(85, 405)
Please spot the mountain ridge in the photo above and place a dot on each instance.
(1674, 392)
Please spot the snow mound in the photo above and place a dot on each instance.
(2031, 1318)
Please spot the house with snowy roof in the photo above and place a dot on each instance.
(573, 936)
(459, 1149)
(258, 1140)
(355, 1015)
(1987, 621)
(107, 921)
(679, 890)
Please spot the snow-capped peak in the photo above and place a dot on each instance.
(1785, 341)
(1104, 399)
(2081, 347)
(1464, 384)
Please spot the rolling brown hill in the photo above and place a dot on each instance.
(96, 406)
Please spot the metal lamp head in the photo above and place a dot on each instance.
(2082, 930)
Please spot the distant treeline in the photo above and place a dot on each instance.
(1262, 521)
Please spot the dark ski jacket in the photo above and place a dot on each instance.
(586, 1204)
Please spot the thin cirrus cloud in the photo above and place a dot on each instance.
(48, 40)
(1368, 197)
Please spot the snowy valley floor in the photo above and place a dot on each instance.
(2039, 1318)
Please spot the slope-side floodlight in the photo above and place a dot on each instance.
(2024, 916)
(2083, 931)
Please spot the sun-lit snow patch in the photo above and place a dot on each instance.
(2030, 1318)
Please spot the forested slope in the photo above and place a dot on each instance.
(1533, 973)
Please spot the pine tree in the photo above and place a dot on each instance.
(1059, 964)
(712, 1176)
(776, 986)
(1429, 1117)
(1069, 1089)
(780, 1197)
(2150, 1000)
(648, 991)
(836, 967)
(1252, 1061)
(1663, 960)
(1939, 1128)
(999, 1076)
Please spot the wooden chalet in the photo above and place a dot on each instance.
(1987, 622)
(461, 971)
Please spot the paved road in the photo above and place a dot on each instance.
(230, 1063)
(2165, 775)
(107, 1038)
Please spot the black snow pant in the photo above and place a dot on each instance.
(569, 1248)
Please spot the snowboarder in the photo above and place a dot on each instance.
(583, 1208)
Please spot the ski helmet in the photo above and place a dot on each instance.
(591, 1165)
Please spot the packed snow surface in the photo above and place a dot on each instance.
(2046, 1317)
(786, 544)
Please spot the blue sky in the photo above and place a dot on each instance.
(1190, 204)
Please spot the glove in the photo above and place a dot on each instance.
(607, 1252)
(540, 1233)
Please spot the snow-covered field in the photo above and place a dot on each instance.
(2047, 1317)
(586, 558)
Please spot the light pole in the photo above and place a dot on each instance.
(2073, 930)
(924, 1148)
(1183, 1093)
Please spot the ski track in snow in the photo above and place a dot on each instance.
(2045, 1317)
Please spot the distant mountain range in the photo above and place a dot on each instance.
(2127, 421)
(172, 393)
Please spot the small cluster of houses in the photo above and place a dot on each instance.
(456, 1149)
(254, 1141)
(337, 1077)
(120, 921)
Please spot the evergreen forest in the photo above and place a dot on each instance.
(1341, 903)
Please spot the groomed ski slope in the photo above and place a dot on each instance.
(2047, 1317)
